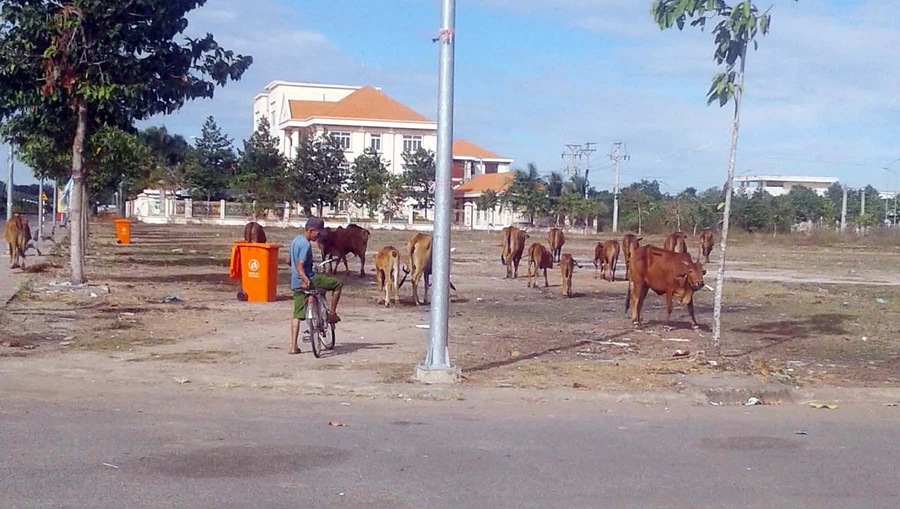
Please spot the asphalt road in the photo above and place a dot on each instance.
(203, 450)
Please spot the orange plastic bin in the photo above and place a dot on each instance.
(123, 231)
(259, 270)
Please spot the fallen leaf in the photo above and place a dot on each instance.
(829, 406)
(182, 380)
(337, 424)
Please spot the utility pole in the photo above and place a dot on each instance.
(40, 209)
(844, 210)
(618, 154)
(587, 151)
(862, 202)
(573, 152)
(9, 185)
(436, 367)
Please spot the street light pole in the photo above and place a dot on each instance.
(436, 367)
(9, 186)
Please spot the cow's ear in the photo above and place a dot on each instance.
(704, 272)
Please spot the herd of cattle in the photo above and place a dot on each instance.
(668, 271)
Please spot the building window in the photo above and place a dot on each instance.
(343, 139)
(411, 143)
(375, 142)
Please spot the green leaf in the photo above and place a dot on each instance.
(720, 206)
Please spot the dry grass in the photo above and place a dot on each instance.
(191, 356)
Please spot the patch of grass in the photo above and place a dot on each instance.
(392, 372)
(113, 343)
(537, 374)
(193, 356)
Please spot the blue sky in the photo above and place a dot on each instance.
(533, 75)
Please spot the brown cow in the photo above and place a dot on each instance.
(387, 273)
(556, 239)
(540, 259)
(418, 252)
(513, 241)
(705, 244)
(675, 241)
(567, 264)
(254, 232)
(664, 272)
(630, 242)
(609, 260)
(18, 236)
(598, 259)
(339, 242)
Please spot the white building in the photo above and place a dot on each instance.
(361, 118)
(778, 185)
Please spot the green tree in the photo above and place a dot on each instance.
(418, 172)
(395, 196)
(69, 61)
(736, 28)
(369, 179)
(169, 157)
(320, 171)
(118, 162)
(528, 193)
(215, 163)
(488, 201)
(808, 205)
(261, 169)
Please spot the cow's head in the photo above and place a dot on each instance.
(694, 274)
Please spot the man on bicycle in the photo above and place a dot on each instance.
(302, 277)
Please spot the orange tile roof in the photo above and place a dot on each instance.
(494, 181)
(463, 148)
(367, 103)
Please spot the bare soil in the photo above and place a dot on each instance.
(839, 330)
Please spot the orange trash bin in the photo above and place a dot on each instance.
(258, 266)
(123, 231)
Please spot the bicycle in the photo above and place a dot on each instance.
(321, 332)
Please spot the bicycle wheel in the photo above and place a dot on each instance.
(327, 330)
(313, 324)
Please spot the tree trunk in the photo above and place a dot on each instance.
(726, 216)
(77, 205)
(640, 220)
(319, 209)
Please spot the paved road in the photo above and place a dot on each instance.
(201, 450)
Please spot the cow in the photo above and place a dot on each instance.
(387, 273)
(339, 242)
(609, 260)
(254, 232)
(675, 241)
(630, 242)
(513, 241)
(539, 259)
(556, 239)
(418, 253)
(666, 273)
(598, 259)
(705, 244)
(18, 236)
(567, 264)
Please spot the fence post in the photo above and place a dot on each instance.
(221, 209)
(189, 208)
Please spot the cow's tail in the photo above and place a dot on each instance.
(411, 251)
(578, 264)
(628, 297)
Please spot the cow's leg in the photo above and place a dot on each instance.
(394, 282)
(516, 265)
(427, 291)
(690, 307)
(634, 294)
(362, 265)
(546, 283)
(382, 287)
(666, 326)
(638, 296)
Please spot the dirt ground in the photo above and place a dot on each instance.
(794, 313)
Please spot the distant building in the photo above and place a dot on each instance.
(778, 185)
(361, 118)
